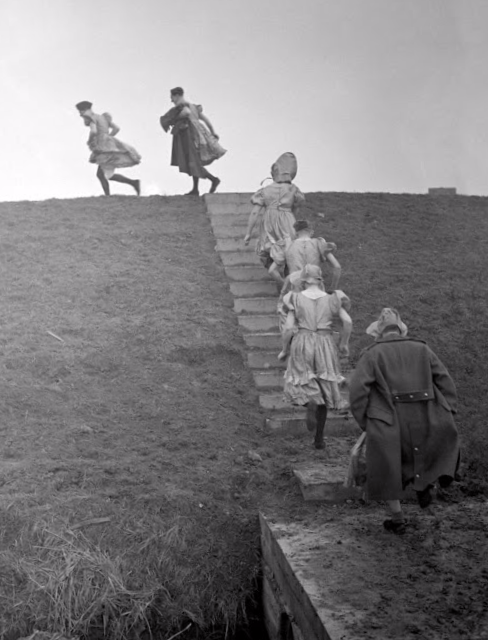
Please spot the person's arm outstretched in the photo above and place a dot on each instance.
(253, 218)
(336, 270)
(204, 119)
(345, 333)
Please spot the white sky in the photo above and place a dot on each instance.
(372, 95)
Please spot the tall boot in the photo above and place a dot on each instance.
(319, 431)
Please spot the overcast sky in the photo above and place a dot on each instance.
(371, 95)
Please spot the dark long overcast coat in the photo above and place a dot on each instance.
(404, 397)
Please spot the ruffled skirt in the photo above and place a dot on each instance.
(313, 371)
(276, 232)
(110, 153)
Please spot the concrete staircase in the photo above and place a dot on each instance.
(255, 298)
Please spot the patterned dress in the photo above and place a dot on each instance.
(108, 151)
(277, 201)
(313, 353)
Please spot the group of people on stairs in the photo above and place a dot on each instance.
(400, 393)
(195, 144)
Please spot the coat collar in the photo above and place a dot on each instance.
(392, 338)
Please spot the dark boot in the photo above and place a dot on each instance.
(424, 497)
(395, 526)
(321, 414)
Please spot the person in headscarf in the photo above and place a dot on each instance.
(107, 151)
(274, 207)
(313, 375)
(195, 143)
(306, 249)
(404, 398)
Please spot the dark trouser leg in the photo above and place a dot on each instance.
(194, 191)
(118, 177)
(213, 179)
(103, 181)
(424, 497)
(319, 432)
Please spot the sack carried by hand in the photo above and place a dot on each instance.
(356, 473)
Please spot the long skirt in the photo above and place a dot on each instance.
(193, 150)
(313, 371)
(276, 232)
(113, 154)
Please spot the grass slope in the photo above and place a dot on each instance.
(134, 419)
(127, 495)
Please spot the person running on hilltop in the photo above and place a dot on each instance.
(274, 207)
(308, 250)
(107, 151)
(195, 143)
(313, 375)
(404, 398)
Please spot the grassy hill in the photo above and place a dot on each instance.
(126, 491)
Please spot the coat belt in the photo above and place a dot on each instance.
(413, 396)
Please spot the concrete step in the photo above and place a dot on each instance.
(325, 482)
(258, 324)
(238, 231)
(276, 401)
(248, 274)
(260, 306)
(230, 220)
(265, 360)
(294, 424)
(240, 258)
(268, 379)
(233, 244)
(254, 289)
(226, 198)
(229, 208)
(267, 341)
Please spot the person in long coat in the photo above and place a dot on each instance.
(402, 395)
(195, 142)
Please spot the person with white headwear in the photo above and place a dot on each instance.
(402, 395)
(274, 208)
(313, 375)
